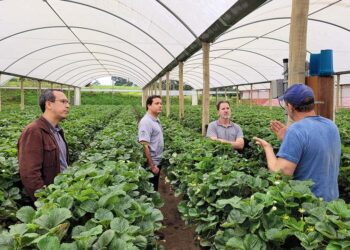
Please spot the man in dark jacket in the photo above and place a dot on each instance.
(42, 149)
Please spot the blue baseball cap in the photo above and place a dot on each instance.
(298, 95)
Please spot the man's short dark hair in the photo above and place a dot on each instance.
(220, 102)
(149, 100)
(308, 105)
(47, 95)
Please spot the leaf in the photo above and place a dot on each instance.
(26, 214)
(326, 229)
(140, 241)
(92, 232)
(275, 234)
(235, 243)
(69, 246)
(66, 201)
(340, 208)
(253, 242)
(120, 225)
(89, 206)
(103, 215)
(18, 229)
(104, 239)
(49, 242)
(233, 202)
(53, 218)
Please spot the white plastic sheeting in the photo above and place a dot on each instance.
(75, 42)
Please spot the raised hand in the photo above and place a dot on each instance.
(279, 129)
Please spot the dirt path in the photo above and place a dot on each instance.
(178, 236)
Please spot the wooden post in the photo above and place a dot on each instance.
(160, 87)
(338, 92)
(181, 91)
(217, 96)
(39, 87)
(68, 93)
(341, 96)
(206, 88)
(297, 42)
(167, 95)
(225, 94)
(251, 95)
(0, 96)
(323, 88)
(270, 95)
(144, 97)
(237, 96)
(22, 94)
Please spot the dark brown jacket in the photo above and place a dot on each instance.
(38, 156)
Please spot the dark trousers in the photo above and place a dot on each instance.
(155, 179)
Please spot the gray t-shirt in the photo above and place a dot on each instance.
(230, 133)
(151, 131)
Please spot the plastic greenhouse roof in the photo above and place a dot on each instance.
(76, 42)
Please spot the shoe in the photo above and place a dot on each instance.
(159, 235)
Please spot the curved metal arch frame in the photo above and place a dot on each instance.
(82, 66)
(71, 43)
(247, 65)
(248, 51)
(95, 60)
(128, 22)
(73, 53)
(178, 18)
(196, 84)
(255, 38)
(83, 72)
(97, 72)
(220, 66)
(84, 28)
(283, 18)
(96, 77)
(211, 77)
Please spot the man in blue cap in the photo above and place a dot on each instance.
(310, 147)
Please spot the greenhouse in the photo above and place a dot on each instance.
(174, 125)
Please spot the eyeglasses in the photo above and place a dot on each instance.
(282, 103)
(63, 101)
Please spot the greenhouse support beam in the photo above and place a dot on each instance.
(297, 42)
(194, 97)
(144, 97)
(68, 93)
(77, 96)
(237, 96)
(181, 91)
(341, 96)
(51, 85)
(338, 92)
(167, 94)
(206, 88)
(160, 87)
(225, 94)
(270, 95)
(22, 94)
(251, 95)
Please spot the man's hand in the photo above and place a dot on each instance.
(279, 129)
(264, 144)
(155, 169)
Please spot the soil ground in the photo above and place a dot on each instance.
(178, 236)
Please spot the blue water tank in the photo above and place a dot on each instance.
(314, 65)
(326, 63)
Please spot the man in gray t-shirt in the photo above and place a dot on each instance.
(151, 136)
(224, 130)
